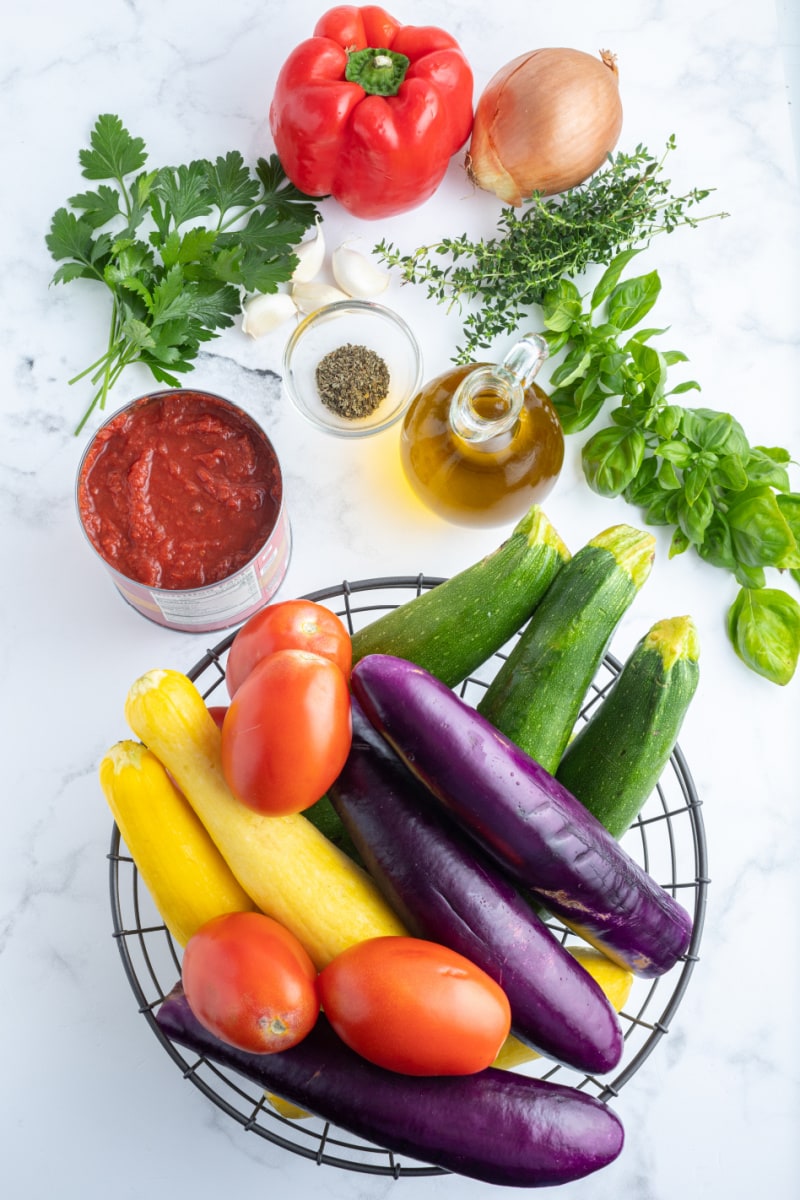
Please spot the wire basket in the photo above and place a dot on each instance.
(668, 840)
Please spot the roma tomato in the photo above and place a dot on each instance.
(287, 732)
(218, 712)
(288, 625)
(250, 982)
(416, 1007)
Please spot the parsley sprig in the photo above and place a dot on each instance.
(624, 205)
(692, 469)
(176, 247)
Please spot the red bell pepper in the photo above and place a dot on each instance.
(371, 111)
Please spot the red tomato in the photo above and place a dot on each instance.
(289, 625)
(218, 711)
(287, 732)
(250, 982)
(413, 1006)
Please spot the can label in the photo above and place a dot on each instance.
(219, 605)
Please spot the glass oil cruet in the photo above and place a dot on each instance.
(482, 442)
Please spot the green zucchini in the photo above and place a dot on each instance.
(615, 760)
(536, 696)
(456, 626)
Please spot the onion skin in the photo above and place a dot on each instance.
(544, 123)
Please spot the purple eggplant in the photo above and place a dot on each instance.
(524, 818)
(444, 887)
(495, 1126)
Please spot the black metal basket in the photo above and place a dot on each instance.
(668, 840)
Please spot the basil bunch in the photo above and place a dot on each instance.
(690, 468)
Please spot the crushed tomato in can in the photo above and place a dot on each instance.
(181, 495)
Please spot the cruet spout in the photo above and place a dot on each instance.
(488, 401)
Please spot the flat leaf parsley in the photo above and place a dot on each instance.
(176, 247)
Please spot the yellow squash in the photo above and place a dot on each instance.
(292, 872)
(183, 870)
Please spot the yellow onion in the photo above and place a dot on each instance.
(544, 123)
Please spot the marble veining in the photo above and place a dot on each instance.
(91, 1106)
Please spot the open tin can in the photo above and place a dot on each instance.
(180, 494)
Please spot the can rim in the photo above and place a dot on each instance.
(140, 401)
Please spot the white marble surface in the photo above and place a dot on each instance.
(89, 1104)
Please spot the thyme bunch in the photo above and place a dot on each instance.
(623, 206)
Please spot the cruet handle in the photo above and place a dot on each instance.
(525, 358)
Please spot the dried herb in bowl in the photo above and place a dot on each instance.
(352, 381)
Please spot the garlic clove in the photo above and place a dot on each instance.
(310, 296)
(310, 255)
(267, 311)
(356, 274)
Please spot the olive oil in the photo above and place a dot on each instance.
(481, 443)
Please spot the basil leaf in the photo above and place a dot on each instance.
(762, 469)
(556, 341)
(716, 431)
(668, 477)
(695, 480)
(632, 300)
(644, 485)
(716, 547)
(652, 370)
(677, 453)
(610, 277)
(711, 430)
(573, 367)
(668, 420)
(689, 385)
(761, 534)
(789, 505)
(694, 516)
(679, 543)
(750, 577)
(730, 473)
(611, 459)
(777, 453)
(561, 307)
(764, 628)
(576, 410)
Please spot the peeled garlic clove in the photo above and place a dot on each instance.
(310, 296)
(310, 256)
(356, 274)
(266, 312)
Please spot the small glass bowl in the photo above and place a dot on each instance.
(359, 323)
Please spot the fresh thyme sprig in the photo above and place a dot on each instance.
(623, 206)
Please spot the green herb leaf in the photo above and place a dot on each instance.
(610, 277)
(173, 288)
(229, 183)
(619, 209)
(764, 627)
(689, 468)
(760, 532)
(183, 193)
(693, 515)
(631, 301)
(789, 505)
(113, 153)
(99, 207)
(651, 371)
(612, 458)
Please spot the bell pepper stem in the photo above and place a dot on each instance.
(378, 71)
